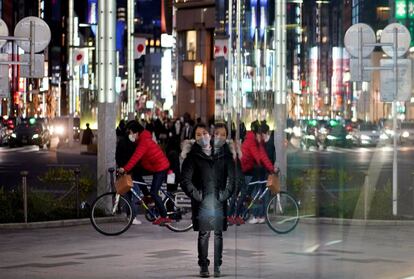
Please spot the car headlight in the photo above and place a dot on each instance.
(405, 134)
(383, 136)
(330, 137)
(389, 132)
(35, 136)
(365, 137)
(60, 130)
(13, 135)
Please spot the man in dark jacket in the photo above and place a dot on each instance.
(208, 179)
(151, 160)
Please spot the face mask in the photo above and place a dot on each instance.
(132, 137)
(204, 141)
(219, 142)
(266, 138)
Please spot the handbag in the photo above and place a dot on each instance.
(273, 183)
(123, 184)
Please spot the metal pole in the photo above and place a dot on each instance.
(238, 64)
(279, 85)
(77, 172)
(131, 61)
(71, 91)
(394, 111)
(230, 67)
(24, 189)
(32, 48)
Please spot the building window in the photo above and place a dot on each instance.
(191, 45)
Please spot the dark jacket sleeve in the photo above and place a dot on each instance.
(264, 159)
(231, 181)
(140, 150)
(186, 180)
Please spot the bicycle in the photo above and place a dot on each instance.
(282, 210)
(111, 213)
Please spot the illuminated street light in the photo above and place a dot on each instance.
(198, 74)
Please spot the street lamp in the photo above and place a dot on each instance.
(198, 82)
(198, 74)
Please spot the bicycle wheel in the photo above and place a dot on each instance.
(179, 210)
(282, 213)
(111, 214)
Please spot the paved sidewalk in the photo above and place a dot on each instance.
(250, 251)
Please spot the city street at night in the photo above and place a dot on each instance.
(138, 135)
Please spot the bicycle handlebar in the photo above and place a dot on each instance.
(258, 182)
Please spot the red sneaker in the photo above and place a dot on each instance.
(158, 221)
(239, 221)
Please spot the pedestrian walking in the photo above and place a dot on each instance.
(208, 179)
(87, 137)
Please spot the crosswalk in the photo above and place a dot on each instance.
(23, 149)
(358, 150)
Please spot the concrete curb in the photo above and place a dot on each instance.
(356, 222)
(306, 220)
(46, 224)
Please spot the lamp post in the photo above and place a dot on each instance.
(198, 82)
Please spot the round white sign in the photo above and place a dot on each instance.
(42, 33)
(352, 40)
(403, 39)
(4, 31)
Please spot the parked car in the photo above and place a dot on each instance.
(309, 134)
(338, 136)
(406, 132)
(369, 134)
(30, 132)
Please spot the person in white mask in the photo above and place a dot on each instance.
(208, 175)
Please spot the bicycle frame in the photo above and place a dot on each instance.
(259, 195)
(166, 194)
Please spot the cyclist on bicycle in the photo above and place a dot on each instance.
(254, 156)
(151, 160)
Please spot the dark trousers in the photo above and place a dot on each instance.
(203, 238)
(157, 179)
(244, 192)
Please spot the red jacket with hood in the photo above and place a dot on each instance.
(148, 154)
(254, 153)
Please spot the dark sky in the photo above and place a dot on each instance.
(149, 10)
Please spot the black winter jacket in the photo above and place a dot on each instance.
(209, 181)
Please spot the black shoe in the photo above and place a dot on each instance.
(217, 272)
(204, 272)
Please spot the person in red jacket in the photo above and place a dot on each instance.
(254, 156)
(152, 160)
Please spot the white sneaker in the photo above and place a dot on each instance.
(261, 220)
(253, 220)
(136, 222)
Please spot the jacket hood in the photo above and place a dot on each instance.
(187, 145)
(186, 148)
